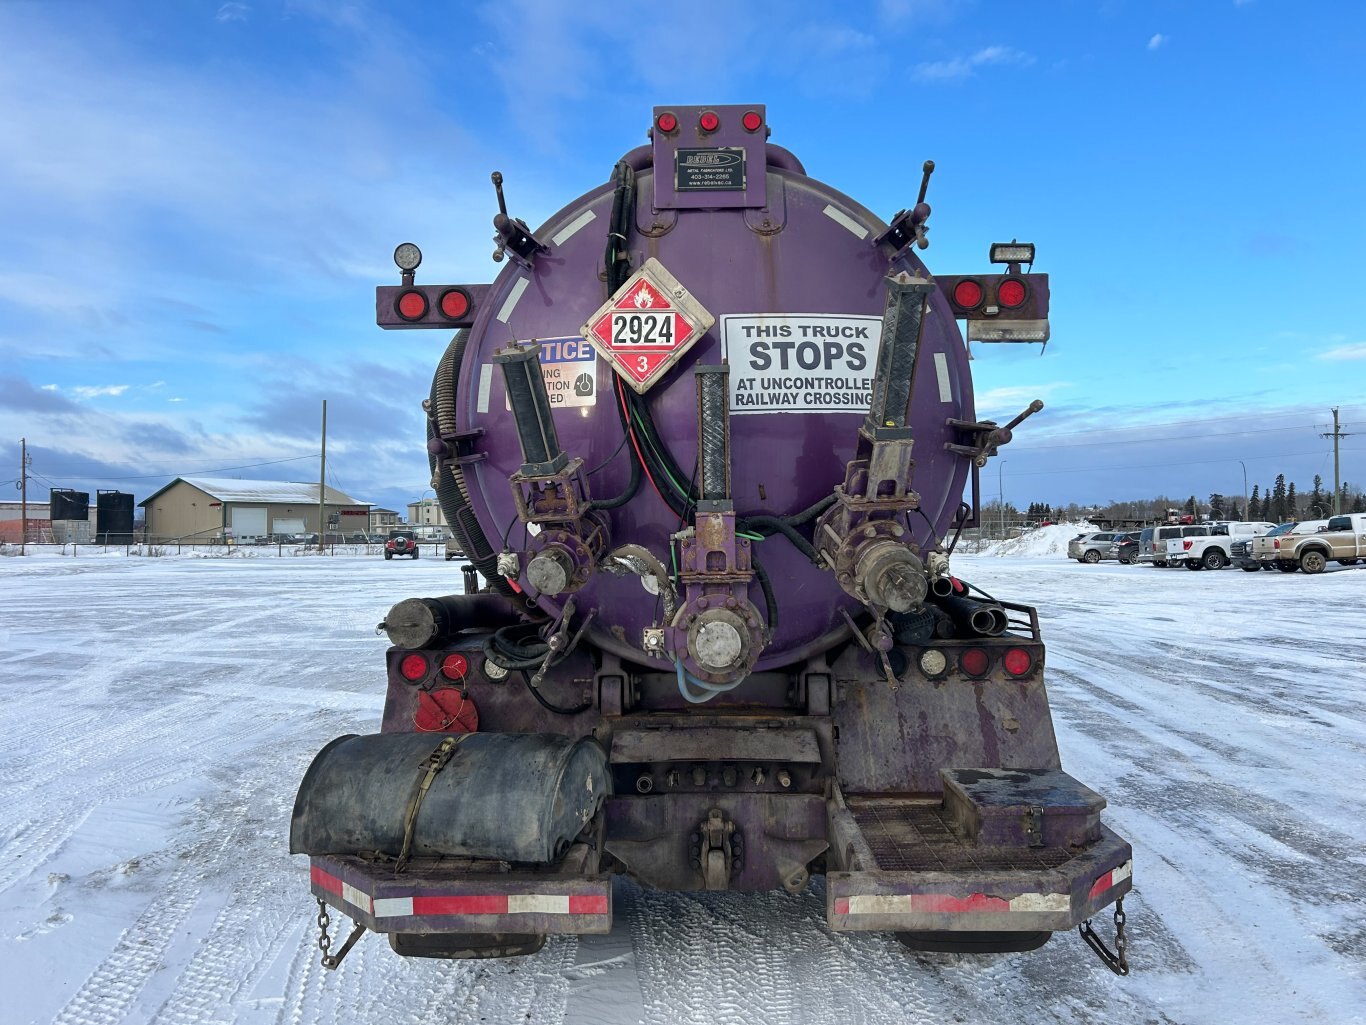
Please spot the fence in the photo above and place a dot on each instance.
(182, 546)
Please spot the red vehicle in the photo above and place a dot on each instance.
(401, 542)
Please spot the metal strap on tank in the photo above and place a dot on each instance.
(431, 765)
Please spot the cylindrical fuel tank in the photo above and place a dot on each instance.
(809, 254)
(510, 796)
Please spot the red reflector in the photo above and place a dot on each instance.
(413, 667)
(667, 123)
(411, 305)
(967, 295)
(751, 121)
(974, 662)
(454, 667)
(454, 303)
(1017, 661)
(445, 711)
(709, 122)
(1011, 292)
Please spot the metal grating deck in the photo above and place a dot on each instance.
(912, 835)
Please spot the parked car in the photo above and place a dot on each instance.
(1091, 547)
(1154, 548)
(453, 549)
(1244, 550)
(1125, 547)
(1215, 549)
(401, 542)
(1343, 539)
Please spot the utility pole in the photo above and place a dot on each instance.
(1245, 512)
(23, 494)
(322, 493)
(1001, 490)
(1337, 436)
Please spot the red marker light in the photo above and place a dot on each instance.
(752, 121)
(1018, 661)
(667, 123)
(411, 305)
(454, 667)
(455, 303)
(974, 662)
(709, 122)
(967, 294)
(413, 667)
(1011, 293)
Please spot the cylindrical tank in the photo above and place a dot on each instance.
(810, 250)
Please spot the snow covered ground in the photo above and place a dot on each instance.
(157, 714)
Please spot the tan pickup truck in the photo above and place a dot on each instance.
(1343, 539)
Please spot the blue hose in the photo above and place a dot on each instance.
(710, 689)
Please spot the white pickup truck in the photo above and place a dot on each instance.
(1214, 550)
(1343, 539)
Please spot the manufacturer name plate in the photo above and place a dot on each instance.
(710, 170)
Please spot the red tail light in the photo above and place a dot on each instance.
(709, 122)
(967, 294)
(1186, 545)
(1018, 661)
(454, 667)
(455, 303)
(667, 123)
(413, 667)
(1276, 544)
(1011, 293)
(974, 662)
(751, 121)
(411, 305)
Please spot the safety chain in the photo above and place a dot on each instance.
(330, 960)
(1117, 962)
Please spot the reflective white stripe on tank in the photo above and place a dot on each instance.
(351, 895)
(568, 231)
(941, 371)
(841, 218)
(546, 904)
(510, 303)
(485, 383)
(390, 907)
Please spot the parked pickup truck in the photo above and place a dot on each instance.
(1256, 553)
(1343, 539)
(1213, 550)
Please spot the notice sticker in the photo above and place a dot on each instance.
(800, 362)
(569, 367)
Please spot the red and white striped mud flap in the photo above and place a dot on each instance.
(472, 903)
(991, 901)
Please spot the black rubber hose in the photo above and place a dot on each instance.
(810, 512)
(548, 706)
(770, 602)
(514, 648)
(632, 486)
(498, 658)
(777, 525)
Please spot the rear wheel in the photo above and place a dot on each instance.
(973, 942)
(1348, 562)
(1092, 557)
(1287, 567)
(388, 555)
(1194, 564)
(1157, 562)
(1250, 567)
(461, 946)
(1313, 562)
(1215, 559)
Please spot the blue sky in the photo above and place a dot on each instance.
(197, 200)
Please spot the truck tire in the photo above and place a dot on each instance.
(1215, 559)
(1313, 562)
(1251, 567)
(1348, 562)
(388, 555)
(1160, 562)
(1194, 564)
(1288, 567)
(1091, 558)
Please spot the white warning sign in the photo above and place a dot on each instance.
(569, 367)
(800, 362)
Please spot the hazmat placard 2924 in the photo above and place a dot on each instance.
(800, 362)
(569, 367)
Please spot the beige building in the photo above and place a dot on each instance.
(212, 510)
(426, 513)
(382, 520)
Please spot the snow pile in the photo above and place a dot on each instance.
(1040, 542)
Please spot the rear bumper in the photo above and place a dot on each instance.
(426, 900)
(1050, 900)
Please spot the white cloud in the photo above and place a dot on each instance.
(1356, 350)
(84, 391)
(232, 11)
(1016, 394)
(1157, 40)
(177, 399)
(959, 68)
(49, 387)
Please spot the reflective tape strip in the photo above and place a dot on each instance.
(357, 898)
(844, 220)
(330, 883)
(943, 903)
(393, 907)
(354, 896)
(485, 383)
(573, 226)
(510, 303)
(941, 371)
(1111, 879)
(526, 903)
(493, 904)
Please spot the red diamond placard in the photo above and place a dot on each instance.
(647, 326)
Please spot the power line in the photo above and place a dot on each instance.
(1185, 437)
(188, 473)
(1204, 420)
(1166, 465)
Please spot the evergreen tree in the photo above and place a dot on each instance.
(1359, 504)
(1316, 497)
(1216, 506)
(1278, 500)
(1254, 504)
(1191, 506)
(1292, 504)
(1234, 512)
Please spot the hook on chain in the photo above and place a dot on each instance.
(329, 960)
(1118, 960)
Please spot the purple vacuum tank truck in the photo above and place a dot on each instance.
(706, 440)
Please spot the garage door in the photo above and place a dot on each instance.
(284, 526)
(247, 522)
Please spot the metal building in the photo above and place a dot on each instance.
(213, 510)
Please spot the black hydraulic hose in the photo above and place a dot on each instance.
(777, 525)
(632, 486)
(810, 512)
(500, 658)
(770, 602)
(547, 705)
(514, 648)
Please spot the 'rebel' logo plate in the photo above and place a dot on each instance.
(647, 326)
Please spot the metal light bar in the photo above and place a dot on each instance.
(1012, 252)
